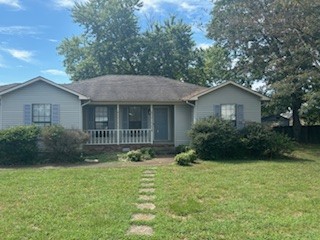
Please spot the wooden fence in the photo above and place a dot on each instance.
(309, 134)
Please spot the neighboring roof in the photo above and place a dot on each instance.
(196, 95)
(133, 88)
(12, 87)
(5, 87)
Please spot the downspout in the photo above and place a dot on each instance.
(190, 104)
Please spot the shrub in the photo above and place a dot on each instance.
(134, 155)
(63, 145)
(192, 155)
(147, 153)
(182, 148)
(18, 145)
(261, 141)
(186, 158)
(214, 138)
(182, 159)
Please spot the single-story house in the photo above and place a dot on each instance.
(124, 109)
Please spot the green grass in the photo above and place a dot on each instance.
(276, 199)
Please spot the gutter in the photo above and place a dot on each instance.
(190, 104)
(89, 101)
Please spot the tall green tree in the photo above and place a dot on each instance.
(110, 41)
(113, 43)
(277, 41)
(167, 50)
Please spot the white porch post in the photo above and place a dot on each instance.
(118, 124)
(152, 123)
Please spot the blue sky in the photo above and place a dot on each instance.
(31, 30)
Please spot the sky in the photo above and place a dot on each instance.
(31, 31)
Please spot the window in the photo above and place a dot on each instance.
(41, 114)
(101, 117)
(228, 112)
(135, 117)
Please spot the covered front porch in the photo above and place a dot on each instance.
(128, 124)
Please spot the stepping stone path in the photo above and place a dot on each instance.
(145, 204)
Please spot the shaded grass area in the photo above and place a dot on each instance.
(277, 199)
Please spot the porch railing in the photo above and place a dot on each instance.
(119, 136)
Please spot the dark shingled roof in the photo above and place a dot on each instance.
(133, 88)
(5, 87)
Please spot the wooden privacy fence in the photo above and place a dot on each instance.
(309, 134)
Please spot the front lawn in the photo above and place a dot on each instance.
(210, 200)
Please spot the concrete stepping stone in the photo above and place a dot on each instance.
(146, 206)
(146, 190)
(143, 217)
(140, 230)
(148, 175)
(147, 197)
(147, 184)
(147, 179)
(149, 172)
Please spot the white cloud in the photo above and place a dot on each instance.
(52, 40)
(204, 45)
(55, 72)
(67, 3)
(22, 55)
(12, 3)
(187, 5)
(18, 30)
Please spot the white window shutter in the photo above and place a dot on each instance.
(27, 114)
(55, 118)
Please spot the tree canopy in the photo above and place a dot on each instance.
(113, 43)
(277, 41)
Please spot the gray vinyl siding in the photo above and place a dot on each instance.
(230, 95)
(41, 92)
(182, 124)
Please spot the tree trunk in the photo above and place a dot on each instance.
(296, 123)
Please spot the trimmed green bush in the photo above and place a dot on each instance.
(182, 159)
(147, 153)
(18, 145)
(182, 148)
(192, 155)
(186, 158)
(134, 156)
(261, 141)
(214, 138)
(217, 139)
(63, 145)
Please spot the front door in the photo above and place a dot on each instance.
(161, 124)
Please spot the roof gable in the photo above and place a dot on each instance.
(197, 95)
(14, 87)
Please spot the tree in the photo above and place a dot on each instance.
(167, 50)
(112, 43)
(277, 41)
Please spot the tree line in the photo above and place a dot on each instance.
(276, 42)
